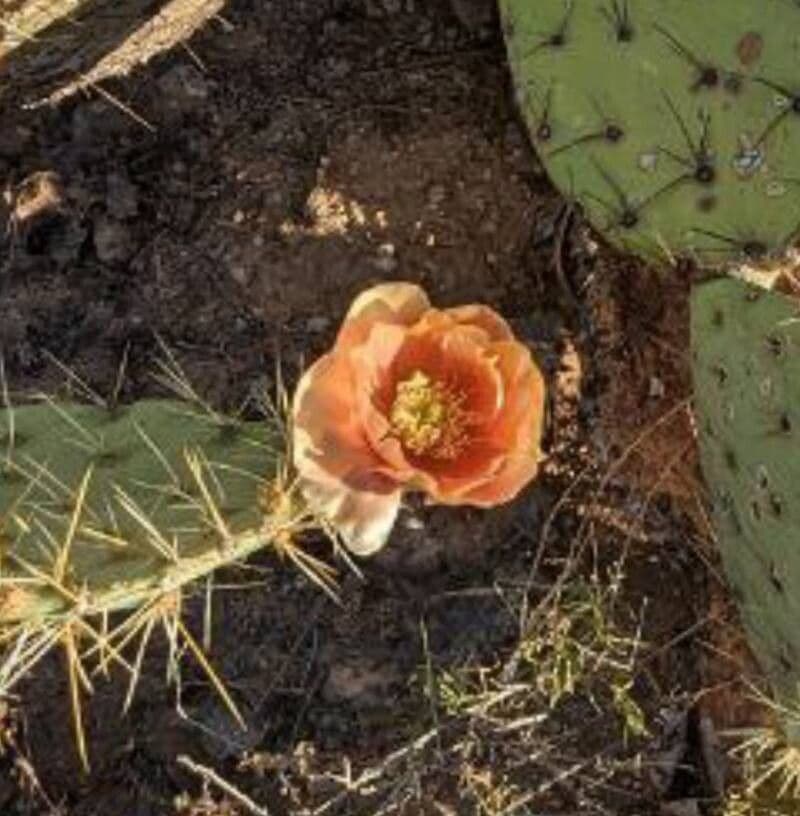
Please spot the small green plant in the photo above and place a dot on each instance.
(576, 646)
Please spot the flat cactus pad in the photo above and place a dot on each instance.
(103, 509)
(746, 357)
(674, 123)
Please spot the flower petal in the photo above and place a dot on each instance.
(373, 364)
(340, 474)
(407, 302)
(398, 304)
(523, 413)
(520, 430)
(457, 358)
(402, 303)
(362, 517)
(484, 318)
(506, 456)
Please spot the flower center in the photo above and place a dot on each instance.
(429, 418)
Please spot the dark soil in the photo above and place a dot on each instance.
(296, 152)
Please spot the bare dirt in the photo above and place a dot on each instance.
(250, 184)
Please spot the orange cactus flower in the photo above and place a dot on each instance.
(413, 398)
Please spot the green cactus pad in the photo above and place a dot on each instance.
(675, 124)
(148, 521)
(746, 358)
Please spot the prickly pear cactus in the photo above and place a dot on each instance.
(105, 509)
(674, 123)
(746, 360)
(102, 509)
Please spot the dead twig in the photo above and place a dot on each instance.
(564, 222)
(211, 777)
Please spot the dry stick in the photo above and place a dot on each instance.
(371, 775)
(558, 256)
(75, 696)
(430, 678)
(212, 777)
(613, 469)
(578, 546)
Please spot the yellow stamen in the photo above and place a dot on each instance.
(429, 418)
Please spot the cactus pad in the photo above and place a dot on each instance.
(675, 124)
(746, 357)
(104, 509)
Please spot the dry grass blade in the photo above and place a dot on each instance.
(769, 759)
(152, 535)
(6, 403)
(84, 390)
(210, 776)
(216, 682)
(171, 376)
(74, 673)
(62, 560)
(31, 643)
(136, 671)
(196, 468)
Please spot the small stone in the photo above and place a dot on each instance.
(317, 324)
(182, 88)
(112, 240)
(657, 388)
(473, 15)
(359, 681)
(681, 807)
(40, 194)
(436, 195)
(414, 523)
(122, 199)
(385, 264)
(241, 274)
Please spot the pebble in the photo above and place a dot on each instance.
(112, 240)
(122, 198)
(241, 274)
(359, 681)
(183, 87)
(317, 324)
(473, 15)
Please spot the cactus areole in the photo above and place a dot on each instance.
(675, 124)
